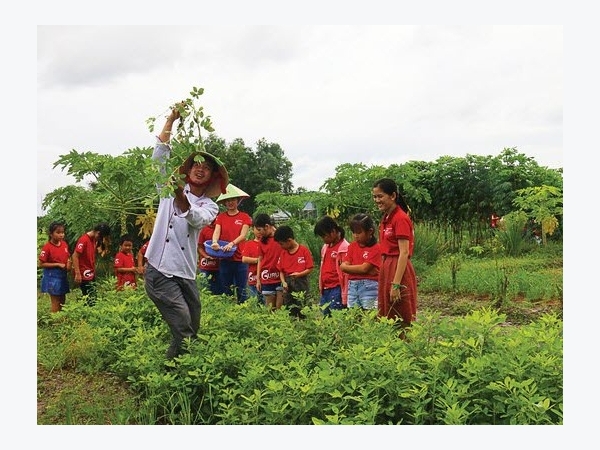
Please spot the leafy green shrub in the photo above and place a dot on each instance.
(510, 232)
(76, 345)
(430, 243)
(253, 366)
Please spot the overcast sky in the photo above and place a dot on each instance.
(326, 94)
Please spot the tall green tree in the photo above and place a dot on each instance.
(275, 168)
(410, 178)
(264, 169)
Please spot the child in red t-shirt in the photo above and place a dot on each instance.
(55, 260)
(125, 269)
(84, 260)
(362, 263)
(333, 283)
(208, 265)
(295, 264)
(250, 255)
(268, 281)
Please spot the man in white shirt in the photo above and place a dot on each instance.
(170, 278)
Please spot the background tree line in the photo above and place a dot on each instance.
(458, 193)
(454, 194)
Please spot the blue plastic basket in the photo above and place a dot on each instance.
(219, 253)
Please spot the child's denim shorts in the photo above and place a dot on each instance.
(362, 293)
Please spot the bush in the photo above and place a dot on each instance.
(252, 366)
(510, 232)
(430, 244)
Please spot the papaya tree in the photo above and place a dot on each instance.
(542, 203)
(70, 205)
(349, 191)
(121, 190)
(116, 185)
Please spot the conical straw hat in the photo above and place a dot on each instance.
(232, 192)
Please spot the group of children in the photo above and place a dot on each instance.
(57, 261)
(349, 270)
(271, 267)
(278, 267)
(368, 273)
(275, 266)
(374, 271)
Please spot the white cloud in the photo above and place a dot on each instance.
(326, 94)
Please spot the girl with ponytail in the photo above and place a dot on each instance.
(397, 292)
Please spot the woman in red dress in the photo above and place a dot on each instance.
(397, 293)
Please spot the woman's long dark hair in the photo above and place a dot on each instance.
(390, 187)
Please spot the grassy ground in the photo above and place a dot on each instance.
(65, 396)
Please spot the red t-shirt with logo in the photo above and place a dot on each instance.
(269, 254)
(252, 250)
(298, 261)
(394, 226)
(125, 261)
(55, 253)
(208, 264)
(329, 273)
(358, 255)
(86, 248)
(231, 228)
